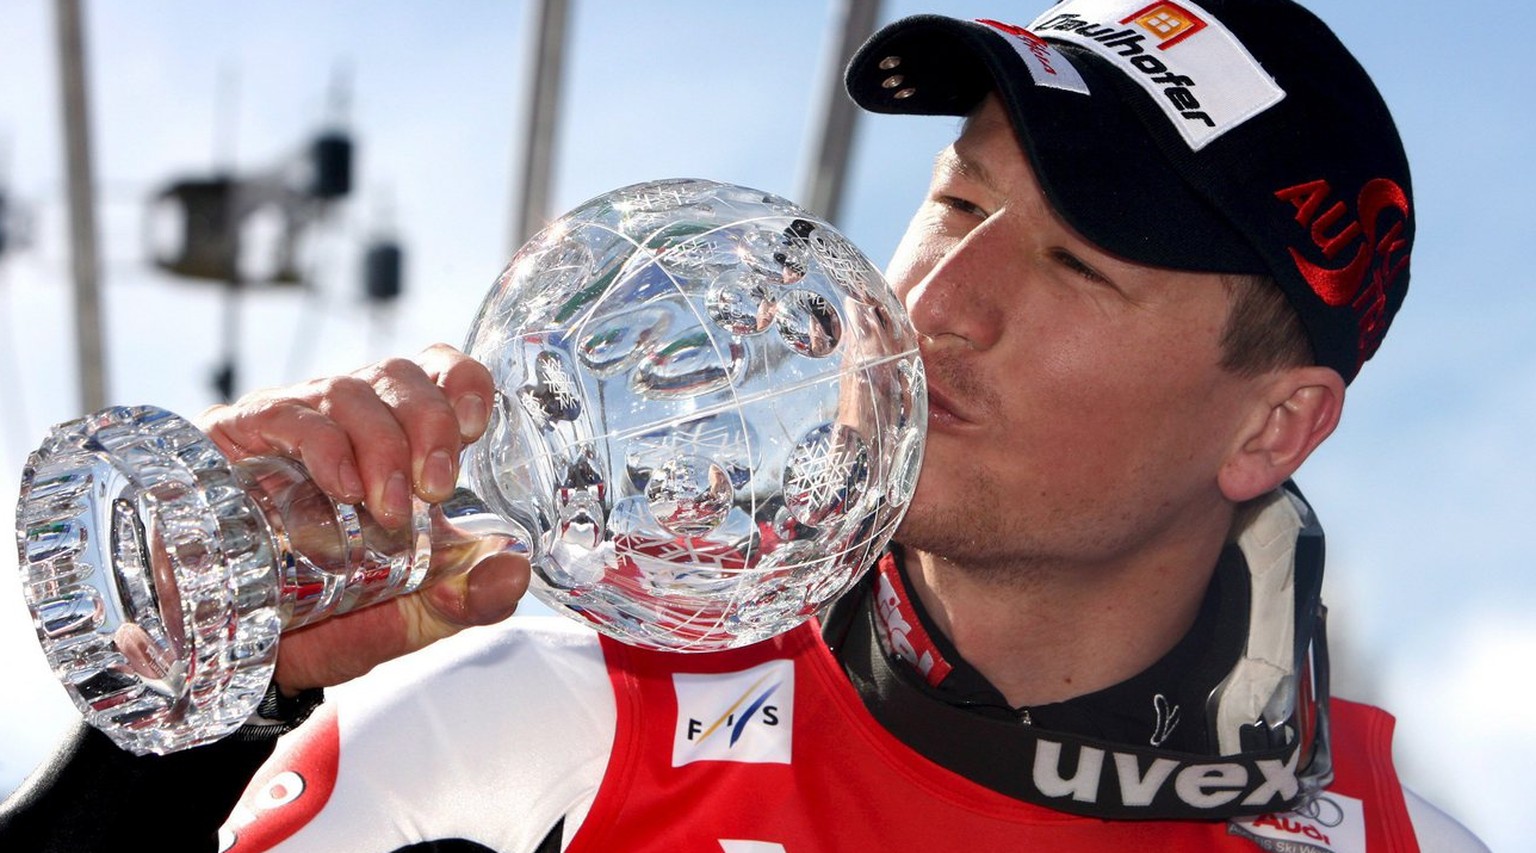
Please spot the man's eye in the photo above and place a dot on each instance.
(1071, 262)
(960, 205)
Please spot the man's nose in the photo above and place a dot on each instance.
(957, 303)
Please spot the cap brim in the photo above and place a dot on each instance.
(1103, 168)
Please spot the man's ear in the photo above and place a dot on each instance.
(1295, 410)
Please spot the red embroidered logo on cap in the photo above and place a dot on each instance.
(1169, 23)
(1379, 257)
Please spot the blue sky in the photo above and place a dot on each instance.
(1427, 490)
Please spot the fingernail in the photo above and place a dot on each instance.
(351, 481)
(437, 475)
(397, 496)
(472, 414)
(493, 589)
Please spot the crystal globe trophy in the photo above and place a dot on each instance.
(709, 420)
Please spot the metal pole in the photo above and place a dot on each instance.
(531, 201)
(84, 259)
(825, 179)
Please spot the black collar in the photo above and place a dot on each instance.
(925, 694)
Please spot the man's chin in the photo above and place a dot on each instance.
(926, 531)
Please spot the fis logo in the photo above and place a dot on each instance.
(744, 716)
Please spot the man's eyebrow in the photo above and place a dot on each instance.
(954, 162)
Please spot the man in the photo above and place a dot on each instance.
(1166, 238)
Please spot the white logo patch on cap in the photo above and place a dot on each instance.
(1201, 76)
(1047, 65)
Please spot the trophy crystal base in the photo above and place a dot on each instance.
(160, 575)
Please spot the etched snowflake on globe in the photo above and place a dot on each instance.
(710, 417)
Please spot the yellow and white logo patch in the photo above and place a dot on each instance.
(1170, 23)
(1196, 71)
(745, 716)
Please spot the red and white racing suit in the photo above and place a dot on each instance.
(537, 735)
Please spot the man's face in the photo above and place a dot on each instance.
(1078, 410)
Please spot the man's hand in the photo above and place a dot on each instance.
(375, 437)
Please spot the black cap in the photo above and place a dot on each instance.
(1235, 136)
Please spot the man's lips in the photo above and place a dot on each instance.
(942, 408)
